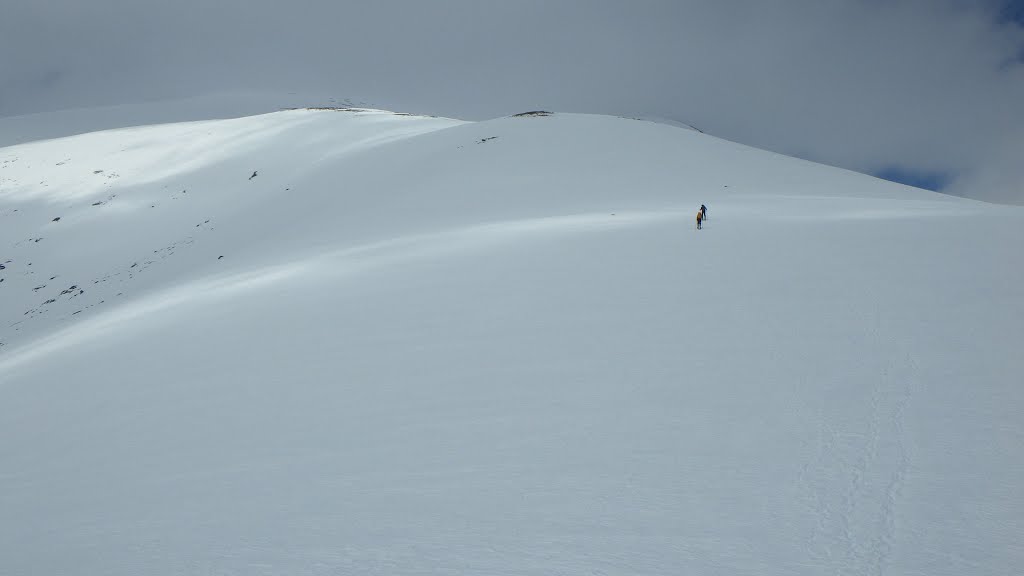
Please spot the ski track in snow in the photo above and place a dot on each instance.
(866, 455)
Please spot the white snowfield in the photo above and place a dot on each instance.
(417, 345)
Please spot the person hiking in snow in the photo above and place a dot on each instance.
(703, 212)
(700, 216)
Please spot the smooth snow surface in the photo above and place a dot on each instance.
(421, 346)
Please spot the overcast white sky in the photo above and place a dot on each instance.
(929, 91)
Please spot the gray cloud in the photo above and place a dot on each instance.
(929, 86)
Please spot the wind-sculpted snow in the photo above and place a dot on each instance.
(334, 265)
(415, 345)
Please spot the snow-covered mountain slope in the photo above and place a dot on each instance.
(419, 345)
